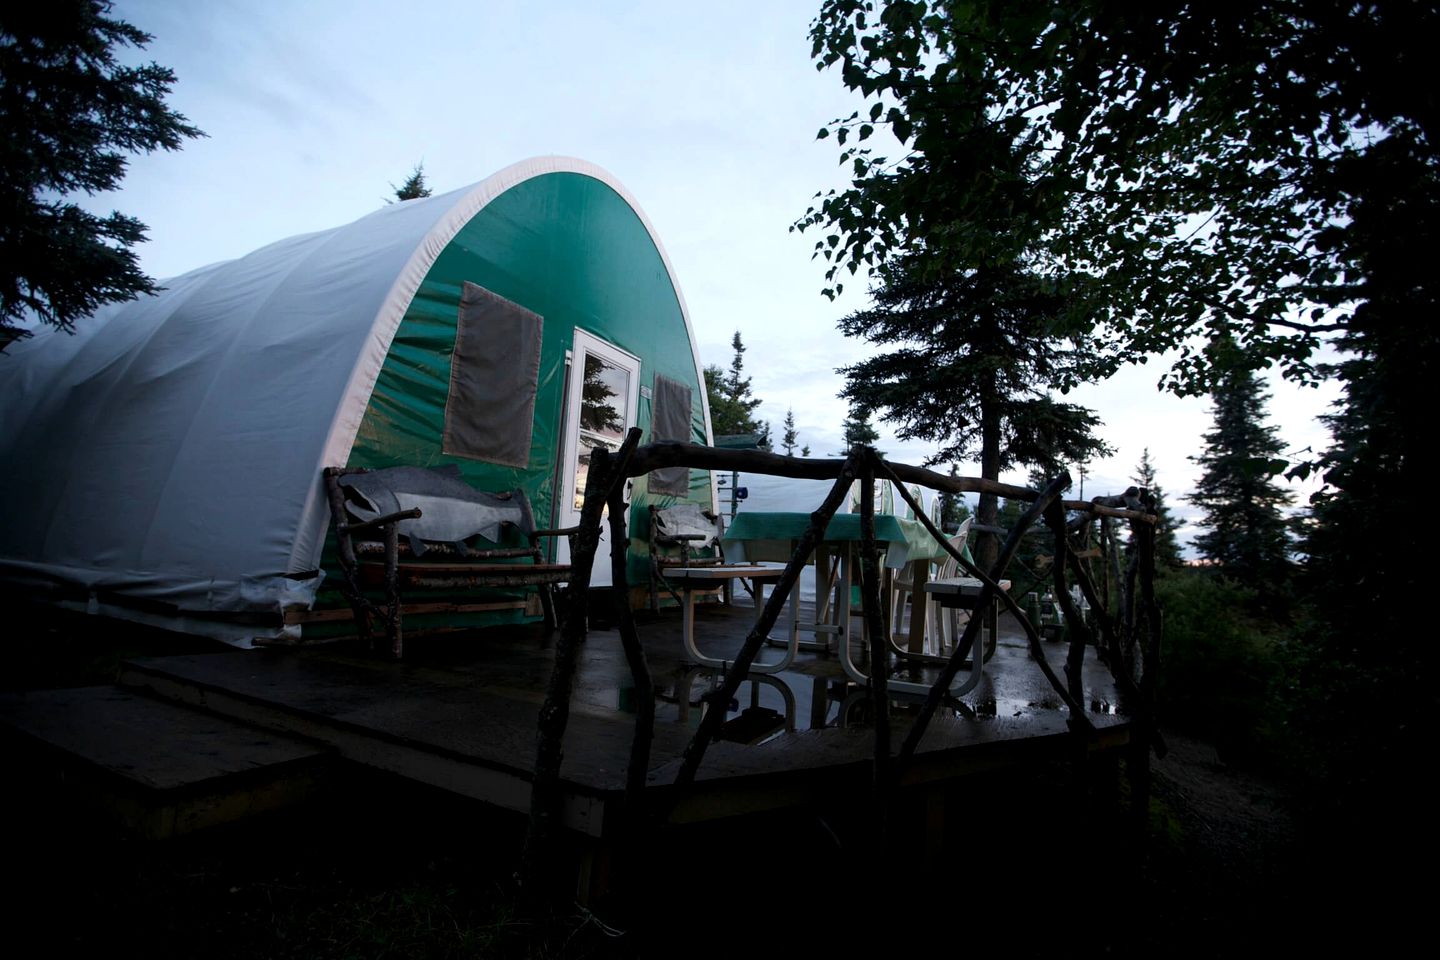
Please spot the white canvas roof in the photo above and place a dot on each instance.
(171, 450)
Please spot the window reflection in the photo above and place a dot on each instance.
(602, 400)
(604, 396)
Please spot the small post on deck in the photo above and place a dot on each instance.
(538, 862)
(875, 624)
(1138, 765)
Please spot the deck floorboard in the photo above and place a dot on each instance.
(473, 701)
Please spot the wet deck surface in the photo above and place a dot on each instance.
(461, 713)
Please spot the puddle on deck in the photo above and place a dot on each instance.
(766, 706)
(814, 693)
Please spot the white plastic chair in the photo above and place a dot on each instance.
(938, 624)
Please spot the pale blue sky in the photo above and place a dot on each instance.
(706, 112)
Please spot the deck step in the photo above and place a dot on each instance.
(154, 768)
(443, 730)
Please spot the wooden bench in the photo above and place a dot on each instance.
(401, 552)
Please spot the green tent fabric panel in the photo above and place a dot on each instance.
(569, 248)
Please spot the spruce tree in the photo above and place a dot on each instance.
(974, 357)
(791, 439)
(1167, 547)
(1246, 533)
(414, 186)
(857, 430)
(953, 509)
(70, 113)
(732, 408)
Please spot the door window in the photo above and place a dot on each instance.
(604, 385)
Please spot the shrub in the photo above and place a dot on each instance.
(1219, 663)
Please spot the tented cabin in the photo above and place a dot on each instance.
(164, 463)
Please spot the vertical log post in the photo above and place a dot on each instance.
(1115, 587)
(1079, 638)
(1139, 763)
(1079, 631)
(634, 656)
(876, 624)
(1128, 626)
(350, 587)
(539, 859)
(392, 590)
(632, 829)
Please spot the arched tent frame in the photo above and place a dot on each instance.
(391, 313)
(167, 377)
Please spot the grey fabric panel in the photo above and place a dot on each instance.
(684, 520)
(490, 411)
(670, 420)
(450, 509)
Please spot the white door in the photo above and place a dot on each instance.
(600, 408)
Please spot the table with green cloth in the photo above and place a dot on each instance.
(760, 537)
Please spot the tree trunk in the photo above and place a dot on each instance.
(987, 545)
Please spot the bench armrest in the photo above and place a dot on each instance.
(351, 528)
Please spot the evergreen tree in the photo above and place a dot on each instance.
(1167, 547)
(70, 112)
(736, 382)
(790, 439)
(857, 430)
(1369, 552)
(726, 418)
(414, 186)
(974, 357)
(1364, 685)
(1246, 533)
(953, 509)
(732, 408)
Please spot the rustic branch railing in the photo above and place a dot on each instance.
(1121, 635)
(656, 456)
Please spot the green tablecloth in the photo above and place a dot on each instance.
(761, 537)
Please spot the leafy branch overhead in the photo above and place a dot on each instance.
(1199, 165)
(70, 113)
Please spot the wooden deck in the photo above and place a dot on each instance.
(155, 770)
(460, 714)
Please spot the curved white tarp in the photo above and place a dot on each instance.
(171, 450)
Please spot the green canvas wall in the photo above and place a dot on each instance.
(571, 249)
